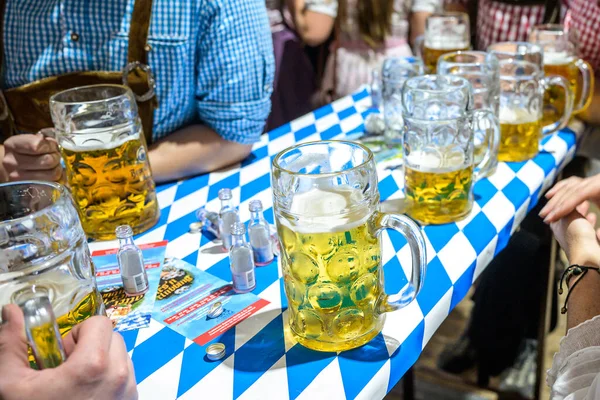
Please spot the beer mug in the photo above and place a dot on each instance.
(482, 71)
(560, 58)
(520, 51)
(44, 255)
(522, 89)
(439, 168)
(444, 33)
(394, 72)
(106, 163)
(326, 205)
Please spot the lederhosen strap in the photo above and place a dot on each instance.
(26, 107)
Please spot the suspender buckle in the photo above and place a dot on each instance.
(150, 78)
(4, 111)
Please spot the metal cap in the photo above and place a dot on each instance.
(255, 206)
(215, 310)
(123, 231)
(238, 228)
(215, 351)
(225, 194)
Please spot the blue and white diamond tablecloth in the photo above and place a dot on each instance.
(262, 362)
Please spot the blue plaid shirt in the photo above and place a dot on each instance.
(212, 59)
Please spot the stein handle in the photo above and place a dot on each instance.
(492, 139)
(587, 90)
(555, 80)
(410, 230)
(41, 328)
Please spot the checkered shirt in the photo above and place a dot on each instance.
(501, 22)
(584, 16)
(212, 59)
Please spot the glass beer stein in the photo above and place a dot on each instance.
(104, 151)
(522, 89)
(439, 167)
(44, 254)
(560, 58)
(326, 205)
(444, 33)
(483, 73)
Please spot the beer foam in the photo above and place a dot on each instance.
(557, 58)
(453, 44)
(437, 160)
(94, 142)
(323, 211)
(516, 116)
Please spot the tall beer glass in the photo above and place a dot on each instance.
(104, 150)
(482, 71)
(439, 167)
(444, 33)
(395, 71)
(521, 101)
(326, 205)
(560, 58)
(44, 253)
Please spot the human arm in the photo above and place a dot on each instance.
(313, 21)
(457, 5)
(569, 194)
(97, 366)
(30, 157)
(421, 9)
(234, 80)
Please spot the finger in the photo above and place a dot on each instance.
(30, 144)
(25, 162)
(592, 218)
(598, 234)
(90, 347)
(583, 208)
(13, 344)
(52, 175)
(569, 201)
(556, 198)
(121, 374)
(558, 186)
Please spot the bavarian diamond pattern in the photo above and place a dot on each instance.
(263, 363)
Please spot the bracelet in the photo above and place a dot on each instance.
(573, 270)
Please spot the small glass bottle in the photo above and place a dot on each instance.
(260, 235)
(375, 89)
(241, 260)
(131, 263)
(227, 217)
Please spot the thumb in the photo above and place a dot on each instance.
(13, 344)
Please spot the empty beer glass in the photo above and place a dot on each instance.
(521, 103)
(439, 168)
(482, 71)
(561, 58)
(44, 254)
(444, 33)
(519, 51)
(326, 205)
(106, 162)
(395, 71)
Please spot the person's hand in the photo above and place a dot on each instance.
(568, 195)
(32, 157)
(577, 237)
(97, 366)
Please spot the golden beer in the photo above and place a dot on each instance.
(560, 64)
(520, 135)
(433, 53)
(112, 185)
(438, 197)
(331, 271)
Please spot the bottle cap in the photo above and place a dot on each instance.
(215, 310)
(225, 194)
(238, 228)
(255, 206)
(215, 351)
(196, 227)
(123, 231)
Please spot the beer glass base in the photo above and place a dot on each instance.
(318, 345)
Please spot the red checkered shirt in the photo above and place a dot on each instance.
(584, 16)
(501, 22)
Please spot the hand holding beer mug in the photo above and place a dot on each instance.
(483, 73)
(103, 146)
(44, 257)
(560, 58)
(326, 205)
(522, 90)
(444, 33)
(439, 167)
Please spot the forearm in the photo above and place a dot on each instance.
(583, 300)
(3, 174)
(417, 25)
(191, 151)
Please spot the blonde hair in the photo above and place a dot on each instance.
(374, 18)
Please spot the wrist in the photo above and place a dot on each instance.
(584, 258)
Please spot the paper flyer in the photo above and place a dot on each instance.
(185, 295)
(387, 157)
(128, 312)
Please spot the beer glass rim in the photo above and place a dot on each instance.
(124, 92)
(368, 159)
(411, 82)
(481, 58)
(534, 47)
(62, 197)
